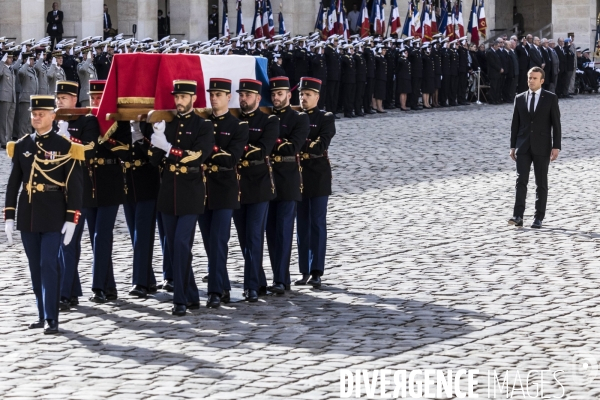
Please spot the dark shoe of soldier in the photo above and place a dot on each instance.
(205, 278)
(51, 327)
(139, 291)
(111, 294)
(152, 289)
(372, 112)
(262, 291)
(178, 310)
(64, 304)
(225, 297)
(278, 288)
(315, 281)
(360, 115)
(516, 221)
(98, 296)
(251, 295)
(381, 111)
(39, 324)
(74, 300)
(300, 282)
(214, 301)
(537, 223)
(167, 286)
(348, 116)
(193, 306)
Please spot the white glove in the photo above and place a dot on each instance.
(23, 49)
(68, 230)
(89, 55)
(71, 51)
(106, 48)
(136, 132)
(63, 129)
(159, 140)
(9, 228)
(81, 54)
(54, 61)
(4, 57)
(159, 127)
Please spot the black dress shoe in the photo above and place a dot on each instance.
(51, 327)
(537, 223)
(251, 295)
(111, 294)
(372, 112)
(193, 306)
(178, 310)
(300, 282)
(214, 301)
(205, 278)
(39, 324)
(225, 297)
(98, 296)
(360, 115)
(516, 221)
(315, 281)
(139, 291)
(64, 304)
(278, 288)
(152, 289)
(381, 111)
(262, 291)
(74, 300)
(415, 108)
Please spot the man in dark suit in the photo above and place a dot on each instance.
(55, 28)
(562, 68)
(535, 137)
(522, 52)
(107, 22)
(494, 73)
(535, 54)
(547, 63)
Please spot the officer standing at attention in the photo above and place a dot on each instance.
(332, 57)
(361, 81)
(29, 87)
(257, 186)
(45, 166)
(348, 80)
(181, 146)
(41, 70)
(316, 177)
(87, 73)
(55, 72)
(223, 189)
(293, 130)
(8, 98)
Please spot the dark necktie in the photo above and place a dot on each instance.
(532, 103)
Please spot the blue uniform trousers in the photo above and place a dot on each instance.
(179, 231)
(312, 234)
(101, 222)
(42, 253)
(141, 222)
(68, 257)
(167, 270)
(280, 234)
(250, 221)
(215, 227)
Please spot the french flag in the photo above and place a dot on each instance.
(416, 23)
(331, 19)
(281, 24)
(376, 18)
(434, 25)
(365, 25)
(240, 19)
(473, 24)
(225, 22)
(395, 23)
(408, 20)
(257, 26)
(426, 26)
(482, 22)
(460, 25)
(339, 24)
(266, 28)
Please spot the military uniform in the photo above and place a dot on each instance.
(102, 63)
(316, 178)
(41, 69)
(463, 77)
(55, 73)
(361, 83)
(182, 193)
(8, 102)
(16, 67)
(453, 77)
(86, 72)
(318, 69)
(403, 77)
(416, 62)
(390, 58)
(370, 86)
(293, 130)
(332, 58)
(44, 166)
(29, 87)
(348, 83)
(258, 188)
(231, 135)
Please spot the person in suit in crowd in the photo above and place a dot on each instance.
(494, 73)
(107, 22)
(55, 26)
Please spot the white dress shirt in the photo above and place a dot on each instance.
(537, 98)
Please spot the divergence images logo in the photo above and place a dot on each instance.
(584, 369)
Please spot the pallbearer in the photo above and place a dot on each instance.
(44, 167)
(256, 184)
(181, 146)
(293, 130)
(316, 177)
(231, 135)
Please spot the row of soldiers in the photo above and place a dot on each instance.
(263, 170)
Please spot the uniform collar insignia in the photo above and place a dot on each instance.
(27, 154)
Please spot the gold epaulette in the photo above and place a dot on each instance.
(77, 152)
(10, 149)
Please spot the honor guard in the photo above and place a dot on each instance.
(416, 66)
(348, 80)
(87, 73)
(29, 86)
(293, 130)
(257, 186)
(222, 184)
(332, 58)
(44, 167)
(316, 177)
(55, 72)
(318, 69)
(8, 98)
(103, 60)
(361, 81)
(181, 147)
(41, 70)
(370, 86)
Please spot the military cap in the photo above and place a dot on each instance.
(97, 86)
(41, 102)
(67, 87)
(250, 85)
(280, 83)
(183, 86)
(586, 51)
(219, 85)
(307, 83)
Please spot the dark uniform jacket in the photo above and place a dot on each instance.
(301, 61)
(494, 64)
(332, 57)
(69, 65)
(142, 179)
(222, 185)
(361, 67)
(381, 68)
(182, 190)
(276, 70)
(316, 169)
(318, 67)
(48, 197)
(102, 64)
(416, 61)
(256, 175)
(453, 62)
(293, 130)
(370, 60)
(463, 60)
(348, 69)
(403, 69)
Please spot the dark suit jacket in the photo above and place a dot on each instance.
(523, 55)
(107, 22)
(494, 63)
(535, 57)
(540, 132)
(51, 22)
(515, 62)
(562, 59)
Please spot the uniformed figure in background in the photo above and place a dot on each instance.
(403, 78)
(316, 178)
(213, 23)
(416, 62)
(41, 70)
(361, 81)
(86, 72)
(55, 72)
(463, 71)
(348, 80)
(181, 147)
(318, 70)
(256, 185)
(332, 58)
(370, 86)
(428, 82)
(293, 130)
(453, 75)
(379, 92)
(8, 98)
(223, 189)
(390, 58)
(45, 170)
(103, 60)
(29, 87)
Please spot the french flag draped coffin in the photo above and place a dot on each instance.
(146, 80)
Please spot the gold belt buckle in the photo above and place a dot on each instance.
(127, 164)
(172, 168)
(214, 168)
(101, 161)
(245, 163)
(39, 187)
(277, 158)
(183, 169)
(305, 156)
(137, 163)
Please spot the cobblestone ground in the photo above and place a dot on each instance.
(422, 272)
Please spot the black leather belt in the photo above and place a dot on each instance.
(103, 161)
(134, 163)
(215, 168)
(283, 158)
(248, 163)
(43, 187)
(183, 169)
(306, 156)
